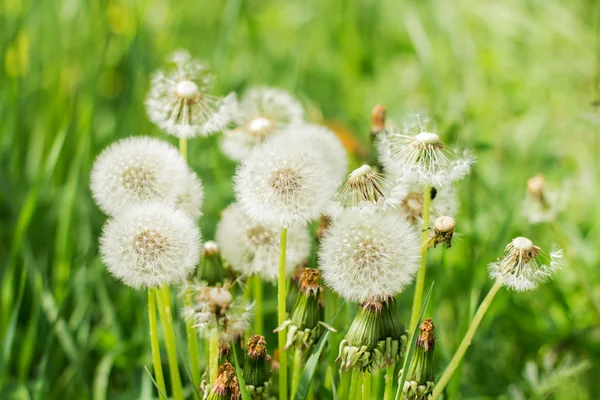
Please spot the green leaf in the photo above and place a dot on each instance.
(411, 348)
(333, 387)
(160, 392)
(240, 376)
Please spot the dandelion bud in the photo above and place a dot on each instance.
(541, 203)
(443, 229)
(359, 348)
(392, 339)
(225, 343)
(178, 101)
(420, 379)
(377, 119)
(257, 368)
(226, 386)
(211, 266)
(525, 265)
(417, 153)
(305, 326)
(150, 245)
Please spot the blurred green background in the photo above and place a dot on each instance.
(514, 80)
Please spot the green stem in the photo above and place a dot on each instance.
(158, 371)
(214, 354)
(466, 342)
(296, 371)
(366, 386)
(183, 148)
(258, 299)
(345, 384)
(420, 285)
(164, 311)
(355, 384)
(281, 316)
(389, 382)
(192, 338)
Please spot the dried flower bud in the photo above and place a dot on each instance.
(443, 230)
(226, 386)
(211, 265)
(420, 379)
(257, 368)
(378, 119)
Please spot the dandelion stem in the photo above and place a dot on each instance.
(258, 298)
(158, 372)
(164, 310)
(355, 384)
(183, 148)
(466, 342)
(192, 338)
(214, 354)
(389, 382)
(420, 285)
(281, 316)
(296, 372)
(366, 386)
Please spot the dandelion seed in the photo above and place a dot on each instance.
(542, 204)
(525, 265)
(138, 169)
(369, 256)
(415, 152)
(150, 245)
(252, 248)
(261, 113)
(282, 186)
(179, 102)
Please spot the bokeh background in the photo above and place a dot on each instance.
(514, 80)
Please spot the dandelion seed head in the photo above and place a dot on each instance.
(542, 204)
(137, 169)
(369, 256)
(253, 249)
(444, 224)
(281, 185)
(179, 101)
(525, 265)
(150, 245)
(191, 197)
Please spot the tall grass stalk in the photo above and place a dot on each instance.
(158, 371)
(420, 285)
(258, 301)
(281, 316)
(466, 342)
(166, 317)
(214, 354)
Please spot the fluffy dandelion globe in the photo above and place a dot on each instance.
(191, 197)
(253, 249)
(369, 257)
(525, 265)
(281, 185)
(262, 112)
(137, 169)
(179, 103)
(417, 153)
(318, 139)
(150, 245)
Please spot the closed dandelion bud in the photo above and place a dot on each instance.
(416, 152)
(377, 119)
(305, 325)
(225, 343)
(295, 283)
(443, 229)
(420, 379)
(211, 266)
(542, 204)
(392, 339)
(226, 386)
(257, 368)
(359, 348)
(525, 265)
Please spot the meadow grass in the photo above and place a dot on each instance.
(514, 80)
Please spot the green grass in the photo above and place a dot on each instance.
(512, 79)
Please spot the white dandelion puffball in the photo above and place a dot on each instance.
(369, 256)
(318, 139)
(191, 198)
(282, 185)
(253, 249)
(179, 103)
(137, 169)
(417, 153)
(525, 265)
(150, 245)
(261, 112)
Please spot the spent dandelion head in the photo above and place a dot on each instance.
(283, 186)
(420, 378)
(138, 169)
(417, 153)
(226, 385)
(179, 101)
(252, 248)
(542, 203)
(257, 368)
(150, 245)
(261, 113)
(443, 230)
(525, 265)
(369, 256)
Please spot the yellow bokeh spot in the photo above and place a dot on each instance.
(16, 60)
(120, 19)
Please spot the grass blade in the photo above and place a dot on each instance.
(240, 376)
(333, 387)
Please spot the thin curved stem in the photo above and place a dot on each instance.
(166, 317)
(183, 148)
(296, 372)
(466, 342)
(282, 316)
(158, 371)
(192, 338)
